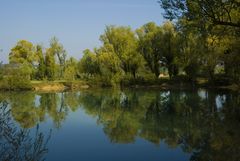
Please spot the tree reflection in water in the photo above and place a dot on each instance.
(203, 123)
(16, 144)
(207, 125)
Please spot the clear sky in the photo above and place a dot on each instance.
(76, 23)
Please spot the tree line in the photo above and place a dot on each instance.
(200, 39)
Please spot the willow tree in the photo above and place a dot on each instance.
(169, 48)
(213, 19)
(41, 70)
(149, 42)
(89, 63)
(157, 44)
(23, 52)
(70, 72)
(58, 50)
(216, 12)
(50, 65)
(124, 44)
(110, 65)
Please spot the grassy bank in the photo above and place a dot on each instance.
(59, 85)
(48, 86)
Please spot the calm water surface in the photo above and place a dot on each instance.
(120, 125)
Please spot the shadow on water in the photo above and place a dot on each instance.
(205, 124)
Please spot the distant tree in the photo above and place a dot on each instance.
(109, 62)
(16, 76)
(110, 65)
(231, 58)
(50, 65)
(149, 36)
(1, 70)
(23, 52)
(190, 50)
(70, 72)
(168, 48)
(41, 70)
(124, 44)
(216, 25)
(57, 49)
(89, 63)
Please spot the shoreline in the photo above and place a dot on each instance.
(60, 86)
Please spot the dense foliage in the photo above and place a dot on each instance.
(201, 40)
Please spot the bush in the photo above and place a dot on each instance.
(16, 78)
(14, 83)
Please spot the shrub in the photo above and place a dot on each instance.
(16, 78)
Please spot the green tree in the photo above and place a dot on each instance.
(108, 60)
(110, 65)
(231, 58)
(1, 70)
(58, 50)
(70, 72)
(216, 12)
(189, 55)
(215, 22)
(212, 55)
(89, 63)
(23, 52)
(124, 44)
(41, 70)
(16, 76)
(168, 48)
(50, 65)
(158, 46)
(149, 37)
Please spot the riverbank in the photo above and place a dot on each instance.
(49, 86)
(185, 86)
(44, 86)
(164, 84)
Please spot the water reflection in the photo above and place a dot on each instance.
(205, 124)
(17, 144)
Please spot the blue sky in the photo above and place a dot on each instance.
(76, 23)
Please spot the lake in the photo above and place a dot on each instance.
(120, 125)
